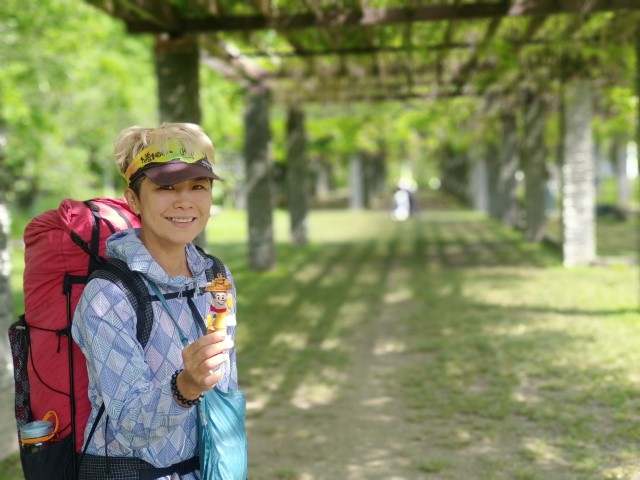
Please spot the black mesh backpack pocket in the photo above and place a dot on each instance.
(19, 341)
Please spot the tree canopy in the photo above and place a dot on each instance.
(72, 77)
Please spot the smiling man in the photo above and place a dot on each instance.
(149, 395)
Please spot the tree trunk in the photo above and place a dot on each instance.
(323, 178)
(598, 162)
(380, 173)
(638, 104)
(493, 173)
(507, 186)
(177, 69)
(534, 153)
(297, 176)
(375, 176)
(578, 175)
(454, 173)
(177, 72)
(619, 162)
(8, 439)
(479, 191)
(259, 187)
(356, 181)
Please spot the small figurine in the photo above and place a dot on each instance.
(216, 319)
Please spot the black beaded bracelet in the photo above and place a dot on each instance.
(178, 395)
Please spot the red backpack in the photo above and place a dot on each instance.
(62, 248)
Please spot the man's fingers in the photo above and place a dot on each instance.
(208, 351)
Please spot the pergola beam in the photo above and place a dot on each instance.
(352, 97)
(375, 16)
(417, 68)
(238, 67)
(262, 6)
(370, 50)
(211, 6)
(463, 73)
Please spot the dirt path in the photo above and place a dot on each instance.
(361, 434)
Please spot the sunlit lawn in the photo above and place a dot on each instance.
(527, 372)
(526, 369)
(516, 368)
(615, 239)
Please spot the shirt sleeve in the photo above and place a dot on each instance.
(104, 326)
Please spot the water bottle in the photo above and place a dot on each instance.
(36, 436)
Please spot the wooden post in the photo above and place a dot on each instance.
(534, 154)
(578, 186)
(259, 188)
(177, 72)
(297, 174)
(508, 205)
(623, 185)
(638, 125)
(356, 181)
(8, 439)
(323, 177)
(479, 185)
(492, 161)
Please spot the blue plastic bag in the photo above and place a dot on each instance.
(223, 437)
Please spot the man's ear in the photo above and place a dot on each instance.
(132, 200)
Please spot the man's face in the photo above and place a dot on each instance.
(173, 215)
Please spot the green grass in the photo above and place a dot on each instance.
(615, 239)
(608, 191)
(513, 367)
(536, 361)
(541, 364)
(11, 469)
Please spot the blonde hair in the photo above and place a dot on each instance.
(133, 140)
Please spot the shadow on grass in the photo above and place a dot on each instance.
(502, 385)
(506, 383)
(297, 309)
(491, 359)
(516, 392)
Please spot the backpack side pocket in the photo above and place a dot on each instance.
(19, 341)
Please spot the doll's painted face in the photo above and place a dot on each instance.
(220, 299)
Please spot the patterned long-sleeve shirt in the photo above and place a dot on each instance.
(143, 419)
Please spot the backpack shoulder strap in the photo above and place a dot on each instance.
(216, 269)
(135, 289)
(92, 246)
(131, 283)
